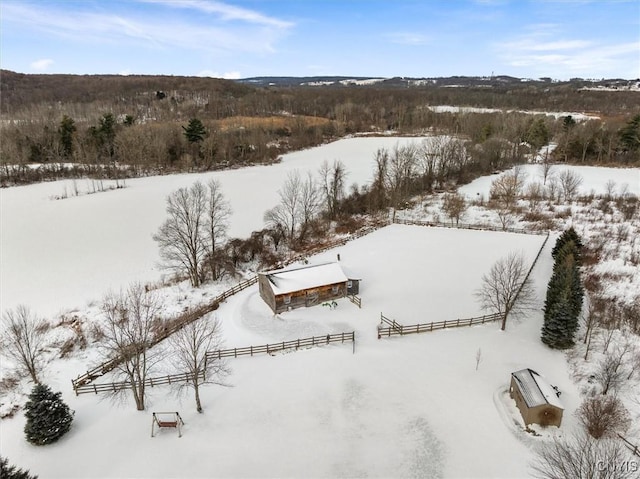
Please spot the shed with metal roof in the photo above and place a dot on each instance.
(537, 400)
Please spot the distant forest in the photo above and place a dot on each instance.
(56, 126)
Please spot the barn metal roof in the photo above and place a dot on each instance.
(535, 390)
(289, 280)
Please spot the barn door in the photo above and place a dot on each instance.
(312, 297)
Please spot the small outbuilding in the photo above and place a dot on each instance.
(289, 288)
(536, 399)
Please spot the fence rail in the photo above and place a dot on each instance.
(171, 326)
(635, 449)
(122, 385)
(468, 226)
(355, 300)
(396, 329)
(283, 346)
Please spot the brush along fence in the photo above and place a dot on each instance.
(468, 226)
(394, 328)
(169, 327)
(284, 346)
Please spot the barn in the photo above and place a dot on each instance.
(289, 288)
(536, 399)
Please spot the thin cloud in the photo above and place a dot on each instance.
(408, 38)
(225, 11)
(118, 29)
(41, 65)
(568, 57)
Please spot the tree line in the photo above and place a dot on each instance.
(130, 129)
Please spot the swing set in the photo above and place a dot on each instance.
(166, 419)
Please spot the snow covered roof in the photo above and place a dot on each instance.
(285, 281)
(535, 390)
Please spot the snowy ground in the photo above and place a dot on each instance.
(402, 407)
(594, 180)
(87, 244)
(468, 109)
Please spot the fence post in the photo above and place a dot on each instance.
(353, 340)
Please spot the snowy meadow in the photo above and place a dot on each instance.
(427, 405)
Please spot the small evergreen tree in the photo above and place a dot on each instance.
(65, 132)
(48, 417)
(7, 471)
(195, 131)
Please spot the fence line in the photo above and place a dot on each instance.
(180, 321)
(397, 329)
(219, 354)
(283, 346)
(170, 327)
(635, 450)
(467, 226)
(122, 385)
(526, 278)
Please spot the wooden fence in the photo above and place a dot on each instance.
(394, 328)
(122, 385)
(355, 300)
(468, 226)
(635, 450)
(171, 326)
(283, 346)
(174, 324)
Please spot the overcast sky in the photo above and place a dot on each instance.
(372, 38)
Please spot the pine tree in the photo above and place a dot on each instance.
(565, 293)
(555, 331)
(8, 471)
(48, 417)
(195, 131)
(566, 237)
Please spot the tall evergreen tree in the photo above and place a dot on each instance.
(48, 417)
(555, 329)
(565, 293)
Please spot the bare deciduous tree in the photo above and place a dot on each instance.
(603, 416)
(454, 206)
(190, 345)
(582, 456)
(332, 182)
(611, 371)
(131, 318)
(506, 289)
(546, 167)
(299, 204)
(182, 237)
(217, 223)
(570, 181)
(23, 334)
(508, 187)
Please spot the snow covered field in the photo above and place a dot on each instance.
(594, 179)
(469, 109)
(87, 244)
(402, 407)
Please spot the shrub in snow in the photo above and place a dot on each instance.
(48, 417)
(603, 416)
(8, 471)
